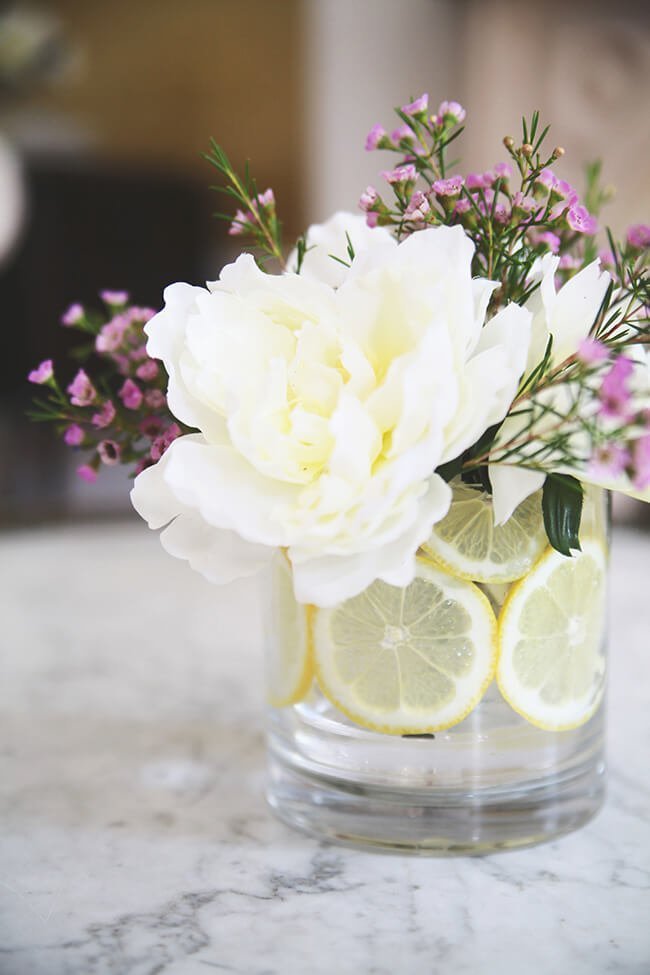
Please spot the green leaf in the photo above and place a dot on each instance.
(562, 508)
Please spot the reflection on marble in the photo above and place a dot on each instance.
(135, 839)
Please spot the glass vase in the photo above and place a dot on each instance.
(498, 778)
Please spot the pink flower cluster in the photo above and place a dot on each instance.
(245, 221)
(132, 423)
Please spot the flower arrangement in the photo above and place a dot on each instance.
(465, 329)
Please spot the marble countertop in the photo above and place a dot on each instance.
(135, 839)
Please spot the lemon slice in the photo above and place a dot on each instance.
(551, 666)
(289, 668)
(407, 661)
(467, 543)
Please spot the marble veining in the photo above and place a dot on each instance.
(135, 839)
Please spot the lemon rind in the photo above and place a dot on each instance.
(506, 694)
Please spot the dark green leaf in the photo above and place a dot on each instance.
(562, 508)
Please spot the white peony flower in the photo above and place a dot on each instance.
(567, 315)
(323, 412)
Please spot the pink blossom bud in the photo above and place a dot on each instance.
(240, 224)
(161, 443)
(401, 174)
(641, 462)
(372, 218)
(150, 426)
(87, 473)
(638, 236)
(418, 207)
(376, 136)
(109, 451)
(111, 335)
(105, 416)
(614, 394)
(137, 314)
(148, 370)
(73, 315)
(417, 107)
(82, 392)
(591, 351)
(569, 262)
(475, 181)
(606, 258)
(502, 171)
(267, 198)
(546, 238)
(402, 132)
(368, 198)
(73, 435)
(114, 297)
(609, 460)
(448, 187)
(42, 374)
(155, 399)
(462, 206)
(579, 219)
(547, 179)
(452, 112)
(131, 395)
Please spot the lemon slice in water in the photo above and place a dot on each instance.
(289, 668)
(407, 661)
(467, 543)
(551, 667)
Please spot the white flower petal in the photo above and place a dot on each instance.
(328, 580)
(511, 486)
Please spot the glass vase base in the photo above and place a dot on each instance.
(434, 822)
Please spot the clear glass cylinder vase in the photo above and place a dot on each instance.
(521, 764)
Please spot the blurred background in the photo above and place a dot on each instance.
(105, 109)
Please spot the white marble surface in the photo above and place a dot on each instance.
(135, 839)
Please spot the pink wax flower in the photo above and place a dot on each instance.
(638, 236)
(368, 198)
(111, 335)
(138, 314)
(87, 473)
(476, 181)
(614, 394)
(139, 354)
(401, 174)
(376, 135)
(267, 198)
(547, 179)
(448, 187)
(161, 443)
(418, 106)
(42, 374)
(418, 207)
(502, 170)
(526, 204)
(131, 395)
(451, 111)
(150, 426)
(609, 460)
(105, 416)
(641, 462)
(109, 451)
(82, 392)
(569, 262)
(580, 220)
(546, 237)
(155, 399)
(114, 297)
(606, 258)
(240, 223)
(148, 370)
(591, 351)
(372, 219)
(400, 133)
(73, 435)
(462, 206)
(73, 315)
